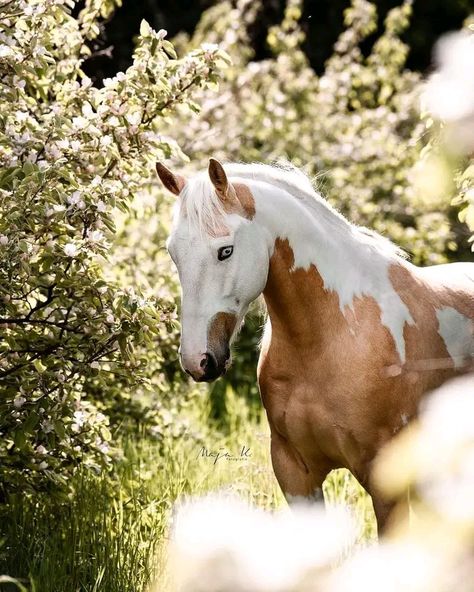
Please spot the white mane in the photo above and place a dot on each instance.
(205, 211)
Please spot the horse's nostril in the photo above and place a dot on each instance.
(209, 366)
(209, 362)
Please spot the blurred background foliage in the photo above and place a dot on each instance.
(322, 22)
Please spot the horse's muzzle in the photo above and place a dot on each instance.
(210, 368)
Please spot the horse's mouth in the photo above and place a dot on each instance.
(211, 378)
(219, 371)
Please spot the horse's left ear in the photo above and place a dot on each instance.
(172, 182)
(218, 178)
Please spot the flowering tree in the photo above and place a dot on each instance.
(71, 156)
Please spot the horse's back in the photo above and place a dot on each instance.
(453, 284)
(447, 272)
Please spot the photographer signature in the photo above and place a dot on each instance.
(223, 453)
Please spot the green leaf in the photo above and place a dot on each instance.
(39, 366)
(20, 439)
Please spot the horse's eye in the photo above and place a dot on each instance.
(225, 252)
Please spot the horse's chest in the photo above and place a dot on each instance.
(302, 407)
(321, 406)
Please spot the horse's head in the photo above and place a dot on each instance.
(222, 259)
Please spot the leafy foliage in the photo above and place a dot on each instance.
(72, 155)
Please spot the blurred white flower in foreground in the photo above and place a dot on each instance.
(449, 93)
(402, 566)
(446, 436)
(436, 454)
(220, 544)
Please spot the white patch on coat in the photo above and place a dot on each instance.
(457, 333)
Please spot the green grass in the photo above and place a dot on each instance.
(110, 535)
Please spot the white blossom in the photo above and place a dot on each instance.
(210, 47)
(70, 249)
(5, 51)
(449, 94)
(79, 418)
(87, 111)
(79, 122)
(18, 402)
(227, 545)
(95, 236)
(47, 426)
(134, 117)
(103, 447)
(106, 141)
(74, 197)
(21, 116)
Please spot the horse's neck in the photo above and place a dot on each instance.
(295, 299)
(314, 257)
(319, 266)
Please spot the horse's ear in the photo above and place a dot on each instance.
(218, 178)
(172, 182)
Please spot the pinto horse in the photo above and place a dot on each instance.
(355, 334)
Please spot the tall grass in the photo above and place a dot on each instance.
(110, 534)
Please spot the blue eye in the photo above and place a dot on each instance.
(225, 252)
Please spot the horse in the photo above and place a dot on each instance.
(355, 334)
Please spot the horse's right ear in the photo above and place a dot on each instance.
(172, 182)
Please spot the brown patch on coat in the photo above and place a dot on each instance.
(327, 380)
(219, 333)
(246, 199)
(238, 199)
(428, 360)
